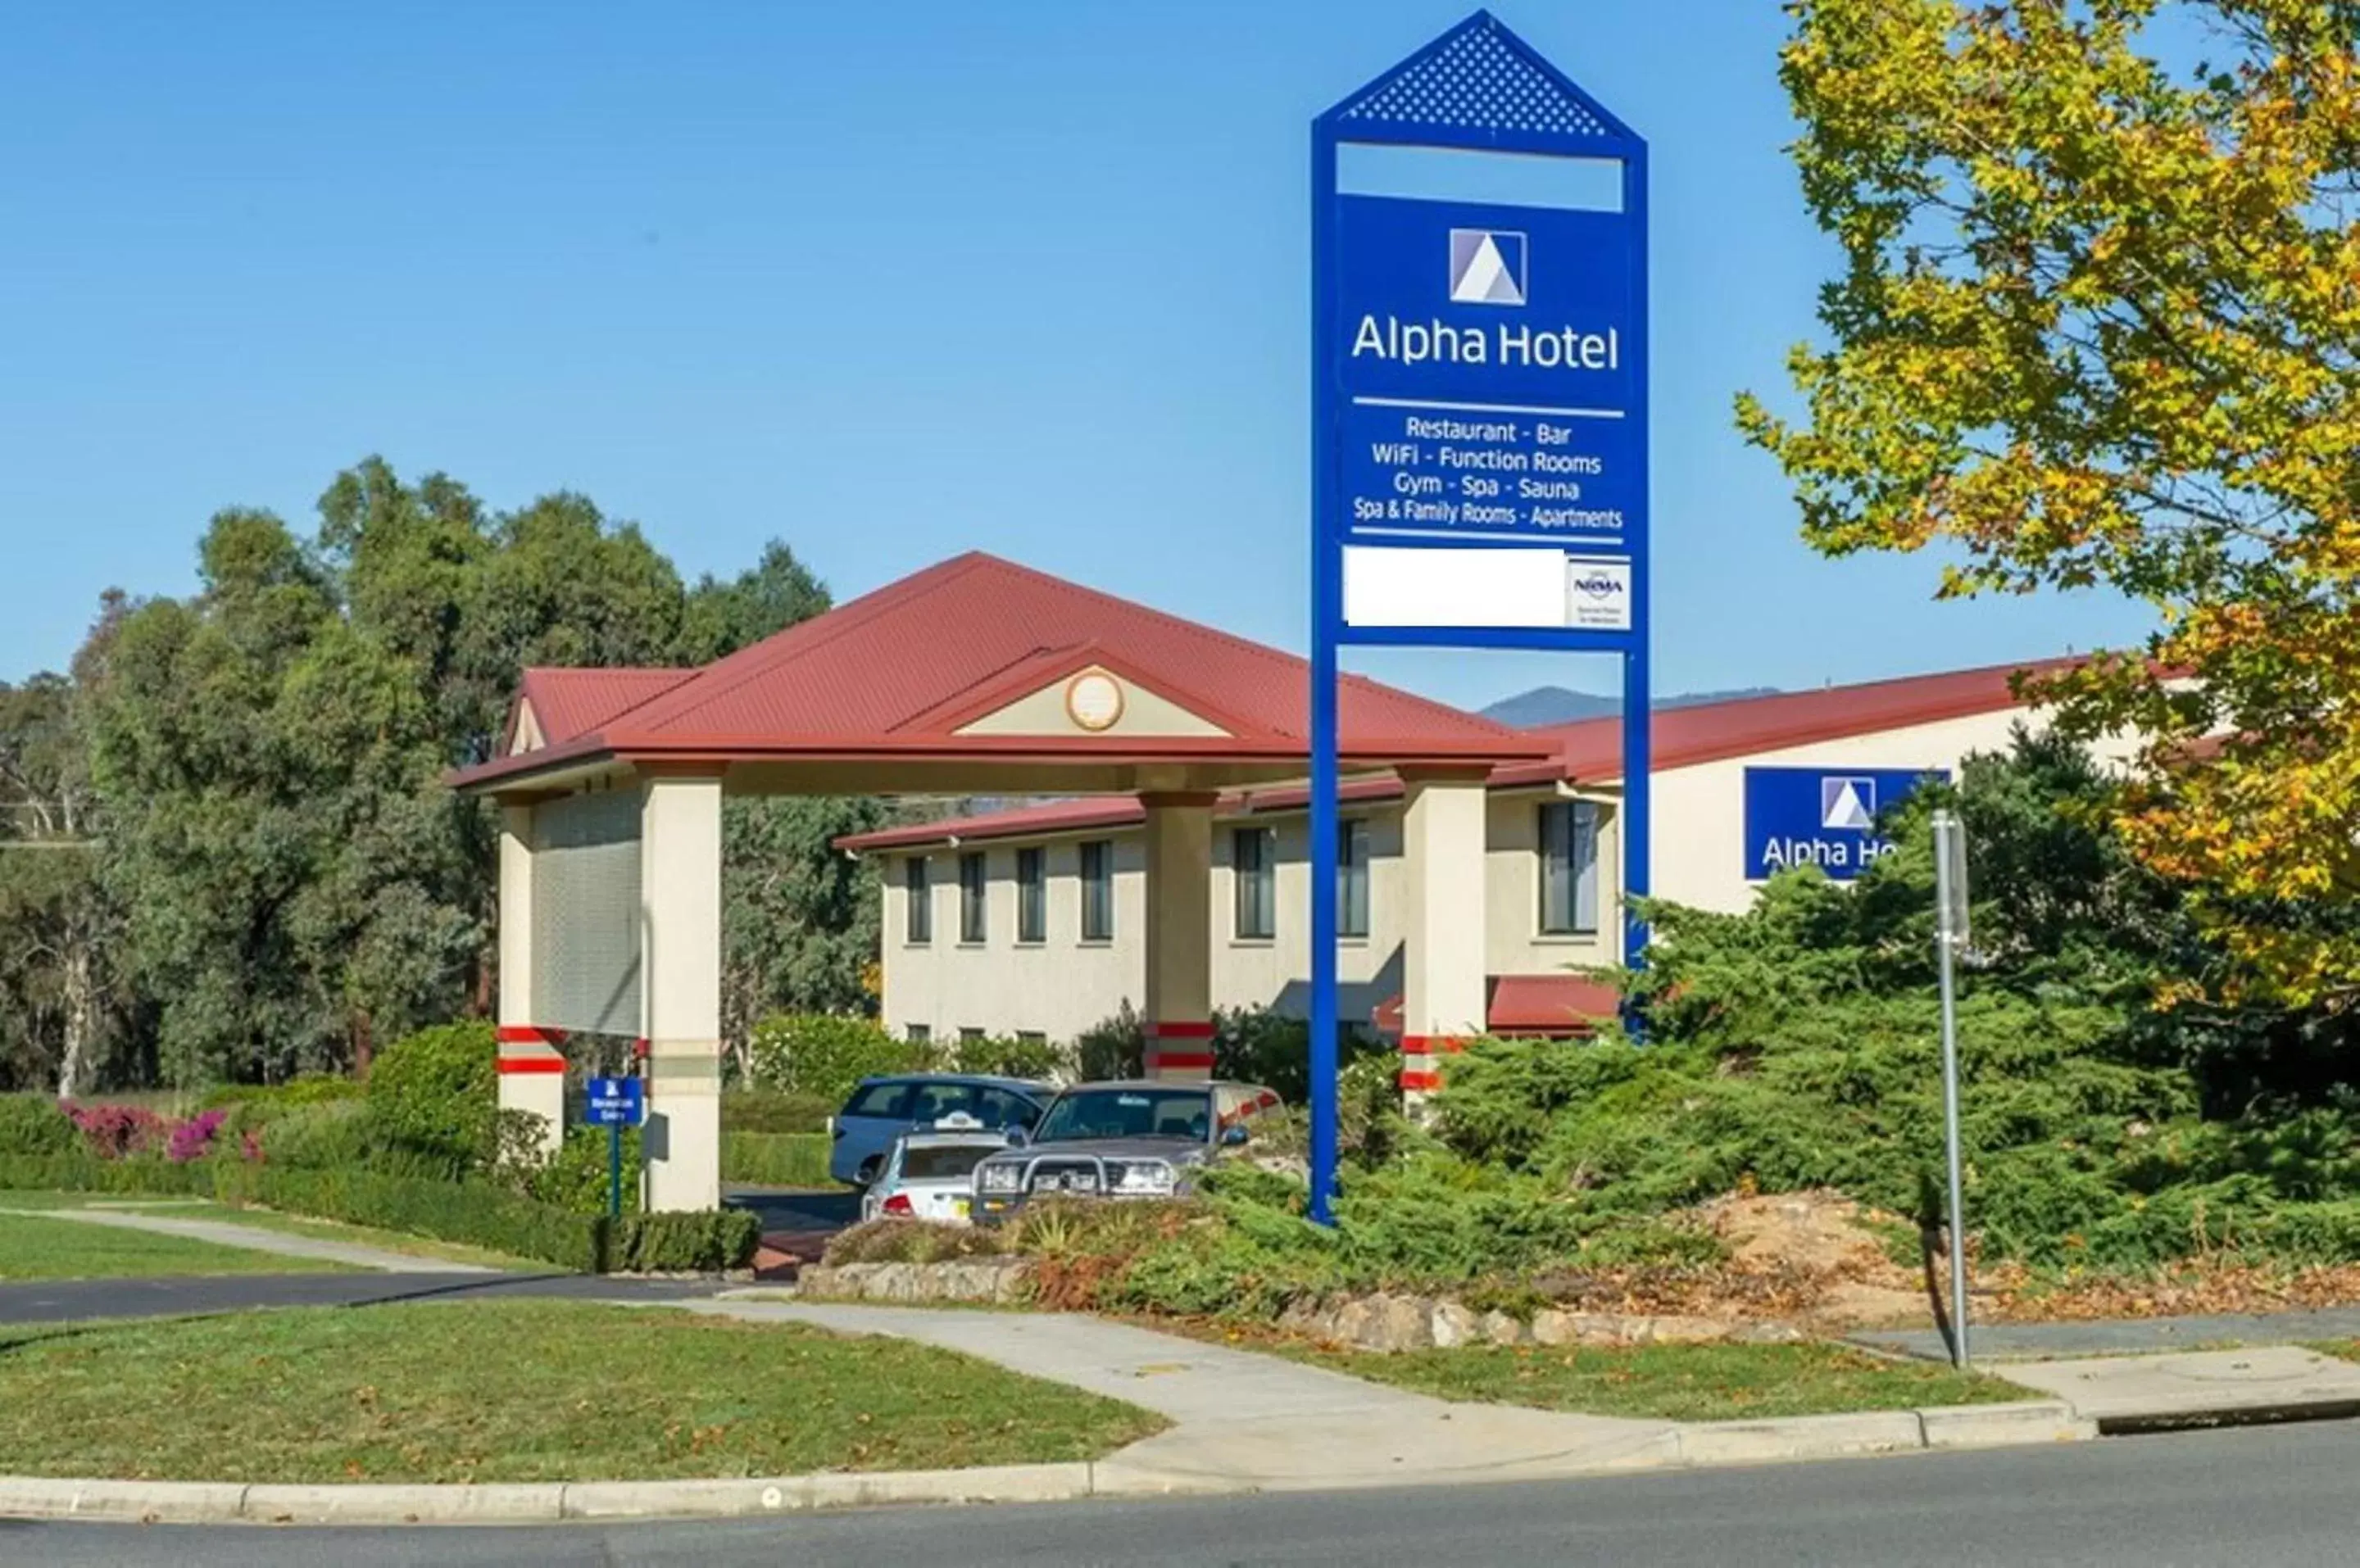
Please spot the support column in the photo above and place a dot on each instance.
(680, 973)
(531, 1067)
(1443, 935)
(1179, 1001)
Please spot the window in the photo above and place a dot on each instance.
(970, 1036)
(1032, 898)
(1253, 861)
(919, 920)
(888, 1100)
(999, 1108)
(971, 892)
(1351, 879)
(933, 1102)
(1568, 869)
(943, 1162)
(1031, 1037)
(1098, 891)
(919, 1034)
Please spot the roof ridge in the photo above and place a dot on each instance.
(2009, 666)
(840, 621)
(1197, 628)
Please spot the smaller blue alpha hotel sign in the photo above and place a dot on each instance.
(1822, 816)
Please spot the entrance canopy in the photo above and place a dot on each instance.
(973, 677)
(976, 676)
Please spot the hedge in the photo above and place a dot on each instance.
(465, 1212)
(776, 1159)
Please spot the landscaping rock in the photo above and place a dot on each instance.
(1506, 1328)
(993, 1279)
(1453, 1325)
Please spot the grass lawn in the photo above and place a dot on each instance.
(271, 1220)
(1673, 1382)
(517, 1391)
(41, 1249)
(357, 1235)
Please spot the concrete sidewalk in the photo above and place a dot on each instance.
(2122, 1336)
(1247, 1421)
(254, 1238)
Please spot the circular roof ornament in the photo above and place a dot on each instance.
(1094, 700)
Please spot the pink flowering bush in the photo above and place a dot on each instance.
(193, 1139)
(133, 1132)
(119, 1132)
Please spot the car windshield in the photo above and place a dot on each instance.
(943, 1162)
(1128, 1113)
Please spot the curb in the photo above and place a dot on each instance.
(1699, 1445)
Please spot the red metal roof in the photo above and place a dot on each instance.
(896, 672)
(1589, 751)
(571, 704)
(1528, 1004)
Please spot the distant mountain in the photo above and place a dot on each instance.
(1557, 706)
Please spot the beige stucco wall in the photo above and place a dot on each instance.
(1060, 988)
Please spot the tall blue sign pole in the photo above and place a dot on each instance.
(1479, 400)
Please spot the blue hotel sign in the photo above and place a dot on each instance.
(1479, 409)
(1492, 375)
(1822, 816)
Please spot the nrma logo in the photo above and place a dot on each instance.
(1597, 585)
(1487, 267)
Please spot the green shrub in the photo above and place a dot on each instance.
(578, 1178)
(824, 1054)
(776, 1159)
(691, 1243)
(312, 1089)
(436, 1093)
(1112, 1048)
(1006, 1056)
(767, 1110)
(914, 1241)
(336, 1134)
(37, 1125)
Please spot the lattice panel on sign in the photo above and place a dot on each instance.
(1477, 81)
(586, 914)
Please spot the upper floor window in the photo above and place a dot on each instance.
(1032, 896)
(1098, 891)
(918, 921)
(972, 885)
(1255, 867)
(1351, 878)
(1568, 869)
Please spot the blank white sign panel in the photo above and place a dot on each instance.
(1389, 585)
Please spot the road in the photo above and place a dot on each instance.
(2263, 1498)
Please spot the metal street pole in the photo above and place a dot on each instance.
(1951, 935)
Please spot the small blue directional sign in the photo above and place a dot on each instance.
(616, 1101)
(1822, 816)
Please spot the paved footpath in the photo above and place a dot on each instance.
(2123, 1336)
(254, 1238)
(191, 1295)
(1244, 1420)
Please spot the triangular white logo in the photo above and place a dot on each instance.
(1487, 267)
(1848, 803)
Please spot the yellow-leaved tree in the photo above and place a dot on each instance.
(2099, 324)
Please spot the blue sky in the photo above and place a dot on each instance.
(888, 281)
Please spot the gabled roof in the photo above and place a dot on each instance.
(1587, 751)
(896, 673)
(571, 704)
